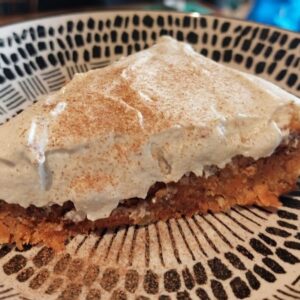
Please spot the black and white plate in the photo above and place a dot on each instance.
(245, 253)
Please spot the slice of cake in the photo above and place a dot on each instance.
(159, 134)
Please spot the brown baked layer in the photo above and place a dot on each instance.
(244, 181)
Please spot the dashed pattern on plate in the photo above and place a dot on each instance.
(208, 257)
(244, 253)
(41, 57)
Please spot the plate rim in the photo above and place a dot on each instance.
(111, 15)
(52, 15)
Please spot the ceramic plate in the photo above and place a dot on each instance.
(244, 253)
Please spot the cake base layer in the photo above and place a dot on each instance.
(244, 182)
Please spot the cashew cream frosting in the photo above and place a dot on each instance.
(154, 116)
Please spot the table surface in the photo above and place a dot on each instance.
(9, 19)
(17, 18)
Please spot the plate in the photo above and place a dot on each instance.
(248, 252)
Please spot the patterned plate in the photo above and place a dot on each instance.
(245, 253)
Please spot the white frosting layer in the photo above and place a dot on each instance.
(111, 133)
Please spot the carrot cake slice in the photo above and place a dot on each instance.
(159, 134)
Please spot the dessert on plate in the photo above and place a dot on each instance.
(159, 134)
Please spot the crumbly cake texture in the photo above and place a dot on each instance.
(159, 134)
(243, 182)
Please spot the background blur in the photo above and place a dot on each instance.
(281, 13)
